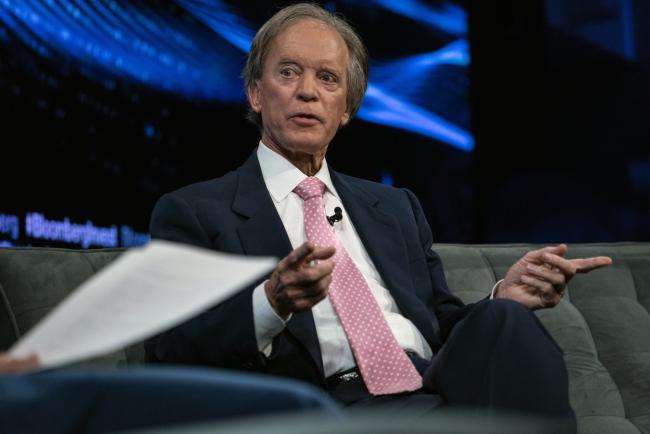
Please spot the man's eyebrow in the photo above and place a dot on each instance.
(331, 70)
(287, 60)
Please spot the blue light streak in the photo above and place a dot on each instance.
(14, 23)
(382, 108)
(138, 44)
(400, 91)
(219, 16)
(446, 16)
(417, 68)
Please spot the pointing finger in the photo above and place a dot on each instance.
(585, 265)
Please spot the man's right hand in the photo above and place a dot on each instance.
(300, 280)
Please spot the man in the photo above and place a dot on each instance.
(358, 304)
(98, 401)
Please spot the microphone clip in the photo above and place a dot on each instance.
(336, 217)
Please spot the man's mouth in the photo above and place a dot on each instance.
(305, 118)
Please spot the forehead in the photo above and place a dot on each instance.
(311, 42)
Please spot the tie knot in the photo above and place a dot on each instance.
(310, 187)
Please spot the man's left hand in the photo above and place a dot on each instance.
(539, 279)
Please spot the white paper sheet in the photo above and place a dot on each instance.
(143, 292)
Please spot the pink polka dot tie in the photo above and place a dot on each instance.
(384, 366)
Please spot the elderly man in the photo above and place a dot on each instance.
(359, 304)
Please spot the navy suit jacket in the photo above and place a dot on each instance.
(235, 214)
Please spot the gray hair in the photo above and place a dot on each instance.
(357, 70)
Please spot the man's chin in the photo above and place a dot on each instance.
(307, 143)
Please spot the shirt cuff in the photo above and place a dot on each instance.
(494, 288)
(267, 323)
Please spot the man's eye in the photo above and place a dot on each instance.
(286, 72)
(330, 78)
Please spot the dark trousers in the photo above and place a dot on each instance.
(89, 401)
(499, 357)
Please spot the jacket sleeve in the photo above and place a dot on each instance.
(224, 335)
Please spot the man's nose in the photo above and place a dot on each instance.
(307, 88)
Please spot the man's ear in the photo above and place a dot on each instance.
(345, 119)
(254, 97)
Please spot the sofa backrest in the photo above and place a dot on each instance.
(34, 280)
(603, 324)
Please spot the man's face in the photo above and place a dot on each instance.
(302, 93)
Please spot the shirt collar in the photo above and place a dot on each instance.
(281, 177)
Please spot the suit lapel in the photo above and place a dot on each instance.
(263, 233)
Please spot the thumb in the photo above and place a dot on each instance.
(325, 252)
(537, 255)
(559, 250)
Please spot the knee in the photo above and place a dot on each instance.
(505, 311)
(491, 319)
(508, 316)
(519, 324)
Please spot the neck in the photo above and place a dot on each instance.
(309, 164)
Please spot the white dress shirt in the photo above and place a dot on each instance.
(281, 177)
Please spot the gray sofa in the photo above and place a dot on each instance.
(603, 324)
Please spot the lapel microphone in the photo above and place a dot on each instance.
(337, 217)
